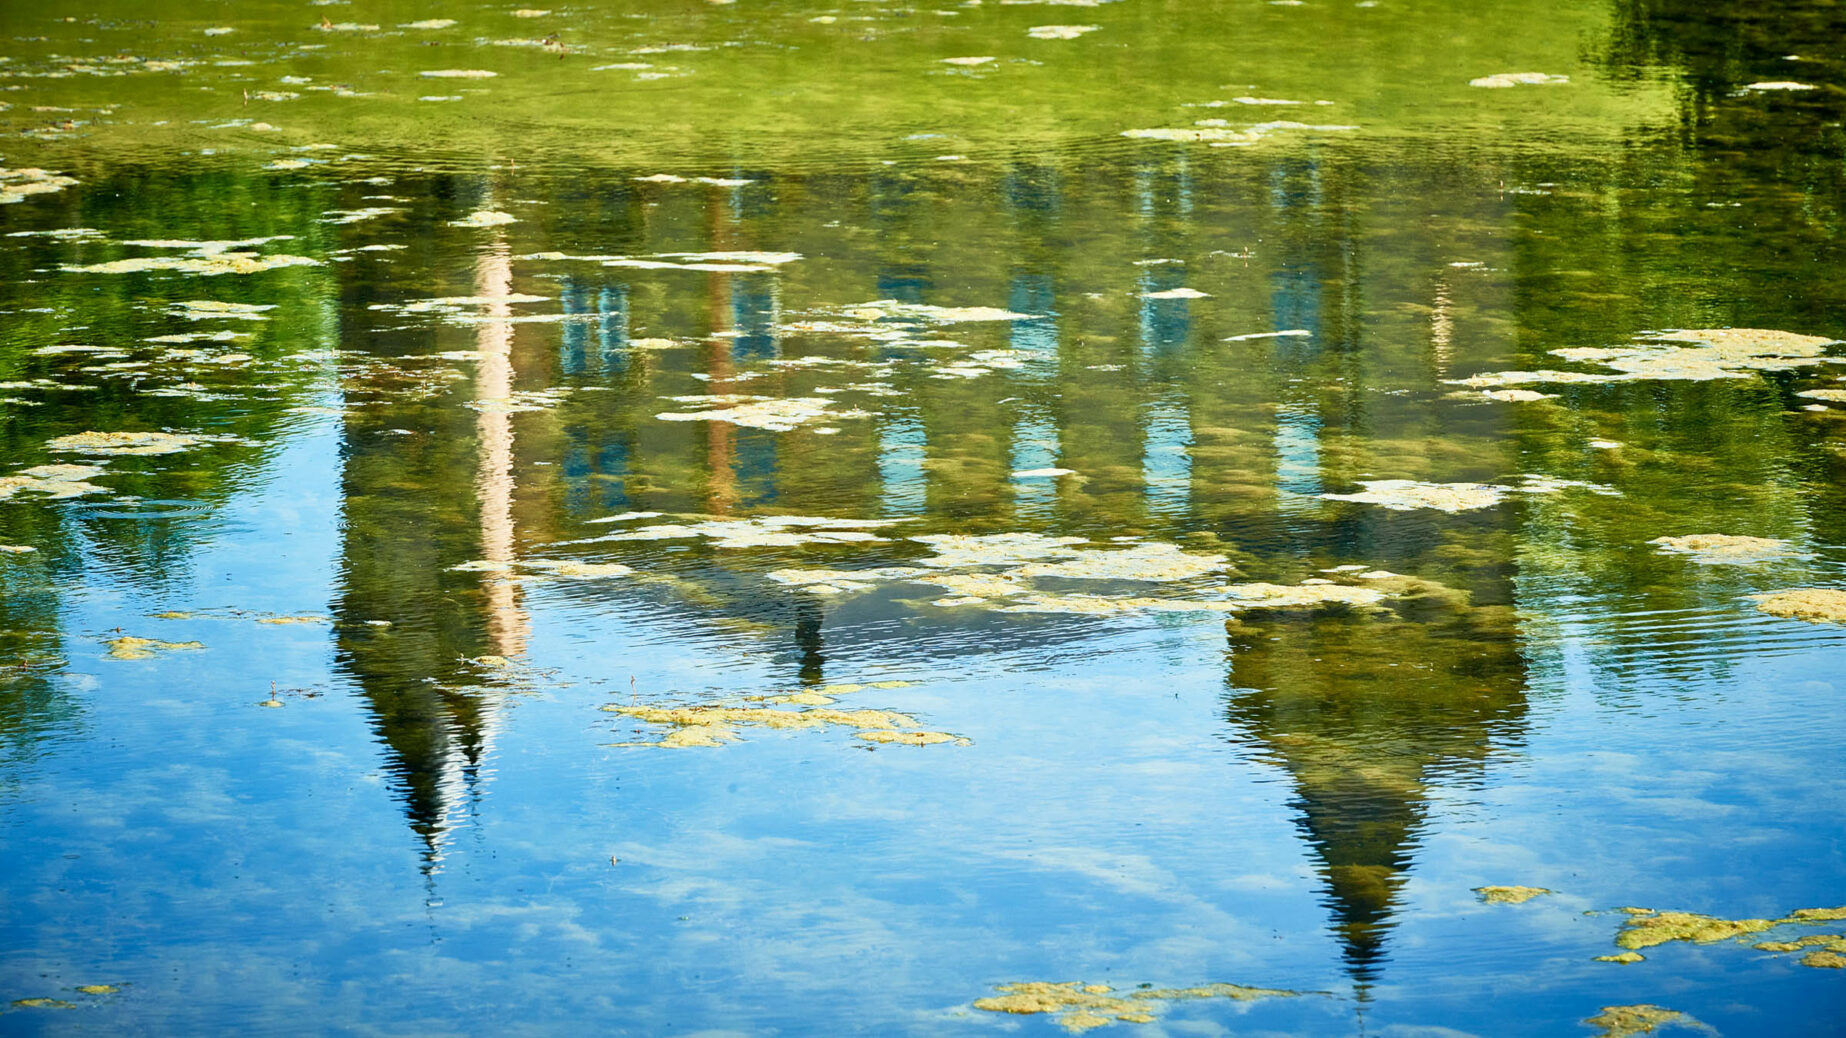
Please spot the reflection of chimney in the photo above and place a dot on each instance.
(493, 280)
(1364, 711)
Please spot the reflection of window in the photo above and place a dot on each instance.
(1298, 450)
(1032, 294)
(753, 316)
(901, 444)
(1166, 458)
(1165, 323)
(1035, 446)
(610, 327)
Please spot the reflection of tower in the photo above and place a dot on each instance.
(1365, 712)
(427, 486)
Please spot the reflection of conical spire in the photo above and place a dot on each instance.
(1363, 712)
(418, 504)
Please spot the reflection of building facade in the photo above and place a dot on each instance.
(1172, 432)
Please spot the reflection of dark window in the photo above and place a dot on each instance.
(905, 288)
(754, 462)
(612, 330)
(575, 298)
(1032, 189)
(1032, 294)
(593, 475)
(611, 327)
(611, 488)
(1294, 297)
(753, 316)
(1165, 323)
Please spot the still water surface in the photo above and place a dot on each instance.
(795, 518)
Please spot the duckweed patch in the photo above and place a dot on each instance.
(775, 415)
(1080, 1007)
(1510, 895)
(112, 443)
(1710, 354)
(1725, 549)
(52, 481)
(129, 647)
(1644, 1018)
(1814, 604)
(704, 726)
(1405, 495)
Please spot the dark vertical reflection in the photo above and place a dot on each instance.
(1366, 713)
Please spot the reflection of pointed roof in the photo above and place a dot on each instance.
(1363, 712)
(396, 560)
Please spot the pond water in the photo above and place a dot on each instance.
(807, 518)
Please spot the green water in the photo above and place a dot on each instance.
(736, 523)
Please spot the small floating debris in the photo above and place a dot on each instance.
(1292, 333)
(1645, 1018)
(1779, 85)
(775, 415)
(485, 218)
(1176, 293)
(1814, 604)
(129, 647)
(1510, 895)
(1515, 79)
(118, 443)
(1079, 1007)
(1713, 353)
(969, 62)
(1405, 495)
(16, 185)
(773, 531)
(704, 726)
(209, 309)
(429, 23)
(457, 73)
(1720, 549)
(53, 481)
(1060, 32)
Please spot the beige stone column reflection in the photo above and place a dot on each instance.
(507, 624)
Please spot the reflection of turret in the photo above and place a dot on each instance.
(427, 487)
(1364, 712)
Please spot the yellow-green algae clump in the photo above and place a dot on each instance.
(1724, 549)
(715, 725)
(1510, 895)
(1623, 1021)
(1082, 1007)
(1646, 928)
(1814, 604)
(129, 647)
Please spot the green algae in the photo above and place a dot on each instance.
(1644, 1018)
(1078, 1007)
(116, 443)
(1625, 958)
(715, 725)
(1409, 494)
(43, 1003)
(129, 647)
(1719, 549)
(1813, 604)
(1665, 927)
(1510, 895)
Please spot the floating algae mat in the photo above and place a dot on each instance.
(1079, 1007)
(737, 518)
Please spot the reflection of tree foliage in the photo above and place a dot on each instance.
(121, 311)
